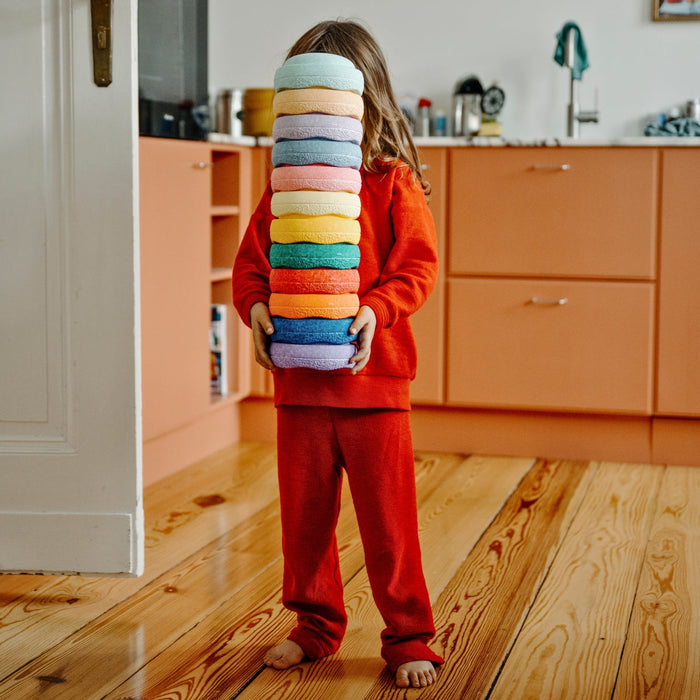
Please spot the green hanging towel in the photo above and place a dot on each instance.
(580, 53)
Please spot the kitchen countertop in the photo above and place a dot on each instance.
(234, 140)
(491, 141)
(563, 141)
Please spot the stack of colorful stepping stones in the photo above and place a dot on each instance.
(316, 183)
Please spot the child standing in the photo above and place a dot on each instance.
(355, 419)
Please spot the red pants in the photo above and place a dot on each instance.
(374, 447)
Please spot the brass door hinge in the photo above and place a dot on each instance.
(101, 16)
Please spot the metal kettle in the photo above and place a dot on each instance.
(228, 111)
(466, 106)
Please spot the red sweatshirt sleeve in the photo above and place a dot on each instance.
(251, 269)
(410, 272)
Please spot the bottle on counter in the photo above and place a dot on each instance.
(422, 125)
(440, 128)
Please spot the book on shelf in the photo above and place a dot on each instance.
(218, 337)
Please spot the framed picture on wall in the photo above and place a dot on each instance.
(675, 10)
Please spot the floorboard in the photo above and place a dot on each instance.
(549, 579)
(574, 634)
(662, 653)
(482, 609)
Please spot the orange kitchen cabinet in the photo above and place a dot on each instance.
(175, 185)
(573, 212)
(558, 345)
(195, 197)
(678, 389)
(428, 322)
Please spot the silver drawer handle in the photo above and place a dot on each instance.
(548, 302)
(560, 166)
(201, 165)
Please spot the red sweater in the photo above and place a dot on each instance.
(398, 270)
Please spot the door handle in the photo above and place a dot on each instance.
(537, 301)
(559, 166)
(101, 18)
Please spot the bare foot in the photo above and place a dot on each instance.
(284, 655)
(416, 674)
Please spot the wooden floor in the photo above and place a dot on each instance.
(549, 580)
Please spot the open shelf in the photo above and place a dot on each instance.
(225, 231)
(229, 211)
(226, 178)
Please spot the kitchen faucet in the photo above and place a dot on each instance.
(575, 115)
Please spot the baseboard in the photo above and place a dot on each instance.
(533, 434)
(258, 420)
(676, 441)
(70, 543)
(638, 439)
(214, 430)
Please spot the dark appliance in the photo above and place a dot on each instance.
(173, 76)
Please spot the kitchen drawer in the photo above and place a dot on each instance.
(591, 353)
(569, 212)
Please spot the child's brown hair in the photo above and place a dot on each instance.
(387, 135)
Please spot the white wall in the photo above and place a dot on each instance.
(638, 67)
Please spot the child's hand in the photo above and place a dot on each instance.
(365, 324)
(261, 324)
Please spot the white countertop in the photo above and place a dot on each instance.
(500, 141)
(492, 141)
(234, 140)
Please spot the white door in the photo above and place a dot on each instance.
(70, 408)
